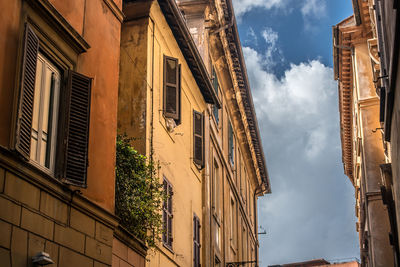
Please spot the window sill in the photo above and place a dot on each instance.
(168, 248)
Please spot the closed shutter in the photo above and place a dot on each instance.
(216, 86)
(172, 90)
(198, 138)
(382, 98)
(196, 241)
(165, 215)
(170, 216)
(25, 110)
(77, 128)
(167, 238)
(230, 145)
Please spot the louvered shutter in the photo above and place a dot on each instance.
(230, 141)
(198, 138)
(165, 215)
(196, 241)
(170, 216)
(382, 98)
(77, 128)
(171, 85)
(25, 110)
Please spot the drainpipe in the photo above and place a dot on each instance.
(152, 94)
(256, 192)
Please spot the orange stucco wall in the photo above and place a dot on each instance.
(102, 31)
(9, 27)
(100, 27)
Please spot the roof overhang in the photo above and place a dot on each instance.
(239, 68)
(185, 42)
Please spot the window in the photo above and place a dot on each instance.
(244, 243)
(216, 189)
(217, 262)
(44, 116)
(167, 215)
(216, 89)
(233, 221)
(251, 201)
(52, 128)
(196, 241)
(172, 89)
(198, 138)
(217, 235)
(230, 143)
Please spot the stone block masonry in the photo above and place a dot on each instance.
(35, 219)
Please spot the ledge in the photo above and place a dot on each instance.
(13, 164)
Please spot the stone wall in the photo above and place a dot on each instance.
(35, 219)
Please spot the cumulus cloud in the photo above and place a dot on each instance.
(243, 6)
(315, 8)
(273, 54)
(251, 37)
(310, 213)
(308, 8)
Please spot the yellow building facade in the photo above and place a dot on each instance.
(364, 152)
(206, 141)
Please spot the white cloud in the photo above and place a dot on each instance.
(308, 8)
(272, 53)
(301, 98)
(243, 6)
(270, 36)
(310, 212)
(251, 37)
(315, 8)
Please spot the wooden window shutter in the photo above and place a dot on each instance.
(77, 128)
(171, 84)
(230, 145)
(198, 138)
(215, 80)
(25, 110)
(196, 241)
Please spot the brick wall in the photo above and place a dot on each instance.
(34, 219)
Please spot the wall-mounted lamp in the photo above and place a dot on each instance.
(42, 258)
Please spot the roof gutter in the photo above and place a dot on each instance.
(189, 49)
(261, 161)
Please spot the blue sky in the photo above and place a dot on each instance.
(287, 45)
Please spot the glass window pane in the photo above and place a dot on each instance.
(36, 99)
(46, 98)
(33, 148)
(171, 71)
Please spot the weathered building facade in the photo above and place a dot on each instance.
(169, 73)
(236, 173)
(366, 157)
(211, 219)
(58, 125)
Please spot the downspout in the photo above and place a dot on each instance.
(256, 192)
(152, 94)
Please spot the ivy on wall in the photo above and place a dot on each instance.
(139, 195)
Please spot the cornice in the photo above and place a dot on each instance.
(241, 89)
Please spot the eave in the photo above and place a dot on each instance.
(177, 24)
(343, 72)
(230, 31)
(189, 49)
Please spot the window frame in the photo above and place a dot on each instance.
(168, 217)
(215, 82)
(56, 109)
(198, 162)
(177, 116)
(231, 144)
(196, 241)
(61, 45)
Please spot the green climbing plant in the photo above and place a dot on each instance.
(139, 194)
